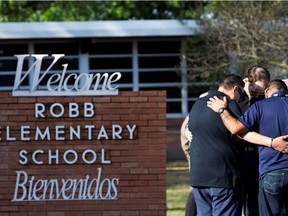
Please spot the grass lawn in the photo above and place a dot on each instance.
(177, 188)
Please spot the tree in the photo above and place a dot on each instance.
(236, 34)
(32, 11)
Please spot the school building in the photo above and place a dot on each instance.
(148, 53)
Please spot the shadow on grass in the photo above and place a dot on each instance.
(177, 188)
(177, 174)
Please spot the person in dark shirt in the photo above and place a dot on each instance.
(268, 117)
(190, 208)
(256, 79)
(215, 155)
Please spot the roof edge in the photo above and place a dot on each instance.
(94, 29)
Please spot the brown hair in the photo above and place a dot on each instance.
(257, 72)
(232, 80)
(277, 84)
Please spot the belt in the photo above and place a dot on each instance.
(248, 149)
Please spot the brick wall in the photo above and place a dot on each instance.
(139, 163)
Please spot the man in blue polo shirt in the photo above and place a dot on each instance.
(269, 118)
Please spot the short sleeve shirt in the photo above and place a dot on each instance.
(269, 117)
(215, 153)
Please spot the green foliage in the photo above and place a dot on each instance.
(236, 33)
(32, 11)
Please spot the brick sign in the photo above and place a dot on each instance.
(88, 155)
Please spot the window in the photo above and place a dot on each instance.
(159, 68)
(8, 63)
(110, 57)
(145, 64)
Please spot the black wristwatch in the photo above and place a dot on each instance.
(221, 110)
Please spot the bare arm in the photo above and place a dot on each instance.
(236, 127)
(279, 143)
(231, 123)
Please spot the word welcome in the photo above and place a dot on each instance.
(61, 84)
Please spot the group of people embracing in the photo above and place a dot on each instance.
(236, 141)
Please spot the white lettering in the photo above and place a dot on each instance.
(57, 110)
(8, 135)
(131, 130)
(34, 157)
(94, 156)
(37, 188)
(102, 133)
(20, 185)
(103, 161)
(89, 127)
(51, 157)
(69, 156)
(22, 154)
(65, 189)
(74, 133)
(59, 130)
(50, 81)
(88, 110)
(73, 110)
(61, 84)
(31, 189)
(116, 131)
(77, 132)
(74, 153)
(59, 107)
(78, 82)
(115, 181)
(39, 109)
(25, 132)
(65, 85)
(42, 135)
(111, 80)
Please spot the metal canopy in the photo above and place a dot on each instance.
(100, 29)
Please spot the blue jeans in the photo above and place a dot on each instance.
(218, 201)
(273, 192)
